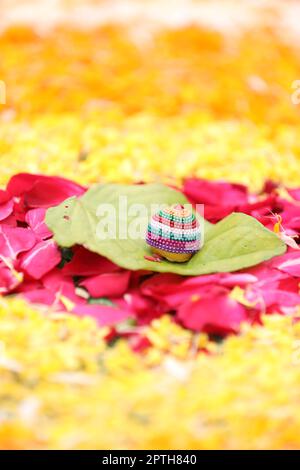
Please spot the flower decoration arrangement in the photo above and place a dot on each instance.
(237, 242)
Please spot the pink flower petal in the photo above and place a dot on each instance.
(59, 284)
(21, 183)
(55, 279)
(217, 313)
(219, 198)
(273, 299)
(295, 193)
(172, 290)
(4, 196)
(10, 220)
(269, 186)
(87, 263)
(108, 285)
(6, 209)
(43, 191)
(237, 279)
(262, 210)
(266, 273)
(289, 241)
(290, 214)
(29, 285)
(40, 296)
(289, 284)
(165, 289)
(139, 343)
(20, 209)
(289, 263)
(144, 308)
(41, 259)
(50, 193)
(53, 289)
(15, 240)
(105, 316)
(35, 218)
(215, 193)
(8, 279)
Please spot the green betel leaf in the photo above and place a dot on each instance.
(237, 242)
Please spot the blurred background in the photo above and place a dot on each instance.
(150, 90)
(221, 14)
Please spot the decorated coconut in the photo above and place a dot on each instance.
(174, 233)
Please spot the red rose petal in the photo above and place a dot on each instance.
(219, 198)
(217, 313)
(4, 196)
(108, 284)
(35, 218)
(41, 259)
(8, 280)
(15, 240)
(87, 263)
(43, 191)
(105, 316)
(6, 209)
(289, 263)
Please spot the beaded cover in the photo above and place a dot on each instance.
(175, 230)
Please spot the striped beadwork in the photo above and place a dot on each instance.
(175, 230)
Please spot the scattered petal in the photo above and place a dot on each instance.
(215, 313)
(105, 316)
(35, 218)
(87, 263)
(43, 191)
(15, 240)
(110, 284)
(41, 259)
